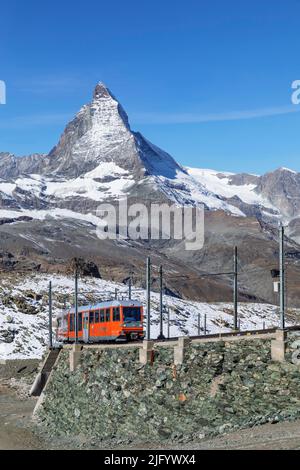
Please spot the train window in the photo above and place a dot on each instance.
(92, 317)
(132, 314)
(107, 314)
(97, 316)
(80, 322)
(116, 314)
(102, 316)
(72, 322)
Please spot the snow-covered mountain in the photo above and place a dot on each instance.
(272, 197)
(98, 158)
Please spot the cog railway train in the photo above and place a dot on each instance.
(106, 321)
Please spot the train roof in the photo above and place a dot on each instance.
(111, 303)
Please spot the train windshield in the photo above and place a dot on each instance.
(131, 314)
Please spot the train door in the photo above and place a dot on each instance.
(85, 327)
(108, 323)
(116, 325)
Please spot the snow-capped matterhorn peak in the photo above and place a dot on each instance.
(101, 91)
(99, 133)
(105, 102)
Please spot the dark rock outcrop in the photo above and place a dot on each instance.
(83, 268)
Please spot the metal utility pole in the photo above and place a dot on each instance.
(235, 290)
(148, 276)
(129, 289)
(199, 324)
(116, 293)
(50, 316)
(282, 278)
(161, 319)
(76, 306)
(204, 324)
(168, 322)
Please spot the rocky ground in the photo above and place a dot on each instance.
(18, 432)
(16, 429)
(276, 436)
(279, 436)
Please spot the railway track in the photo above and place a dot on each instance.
(205, 338)
(230, 334)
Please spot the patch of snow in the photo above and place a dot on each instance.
(32, 185)
(54, 213)
(221, 186)
(7, 188)
(288, 169)
(185, 189)
(106, 169)
(88, 188)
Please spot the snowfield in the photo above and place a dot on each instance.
(24, 312)
(109, 181)
(219, 183)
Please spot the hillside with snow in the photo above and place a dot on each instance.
(24, 312)
(226, 185)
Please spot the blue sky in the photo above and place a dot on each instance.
(208, 81)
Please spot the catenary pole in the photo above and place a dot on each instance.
(129, 289)
(76, 306)
(161, 318)
(199, 324)
(50, 316)
(282, 277)
(148, 275)
(235, 289)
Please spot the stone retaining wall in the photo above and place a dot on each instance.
(220, 386)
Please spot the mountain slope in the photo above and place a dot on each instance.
(272, 197)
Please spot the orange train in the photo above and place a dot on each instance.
(106, 321)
